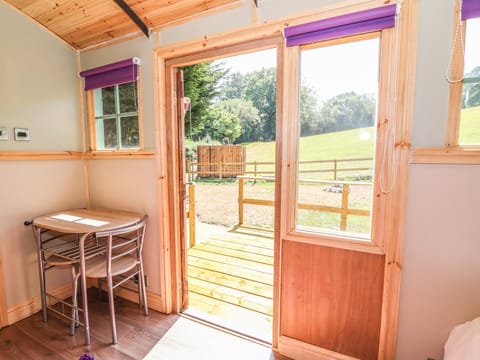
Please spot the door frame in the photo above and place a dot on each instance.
(169, 164)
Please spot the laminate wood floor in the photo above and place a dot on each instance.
(163, 337)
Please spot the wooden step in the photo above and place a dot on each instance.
(238, 254)
(228, 260)
(231, 270)
(247, 285)
(230, 316)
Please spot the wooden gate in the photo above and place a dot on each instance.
(220, 161)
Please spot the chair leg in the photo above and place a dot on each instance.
(142, 292)
(75, 318)
(112, 309)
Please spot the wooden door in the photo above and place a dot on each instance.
(182, 179)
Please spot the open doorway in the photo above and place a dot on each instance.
(229, 117)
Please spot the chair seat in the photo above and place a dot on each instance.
(97, 266)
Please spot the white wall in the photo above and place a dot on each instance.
(38, 86)
(130, 185)
(39, 91)
(29, 189)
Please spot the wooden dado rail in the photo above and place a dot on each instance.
(264, 168)
(344, 210)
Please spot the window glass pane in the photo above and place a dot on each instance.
(470, 113)
(129, 131)
(128, 97)
(338, 100)
(107, 133)
(104, 101)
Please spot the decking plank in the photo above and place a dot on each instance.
(242, 247)
(237, 254)
(248, 285)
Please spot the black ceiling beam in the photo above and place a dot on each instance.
(131, 14)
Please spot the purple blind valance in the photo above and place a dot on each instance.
(121, 72)
(340, 26)
(470, 9)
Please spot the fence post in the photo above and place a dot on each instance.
(344, 213)
(240, 201)
(189, 171)
(255, 168)
(335, 169)
(191, 214)
(220, 170)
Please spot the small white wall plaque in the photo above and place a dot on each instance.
(22, 134)
(3, 133)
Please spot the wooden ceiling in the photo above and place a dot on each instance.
(87, 23)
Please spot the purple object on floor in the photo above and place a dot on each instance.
(86, 357)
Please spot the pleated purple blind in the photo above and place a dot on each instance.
(470, 9)
(120, 72)
(340, 26)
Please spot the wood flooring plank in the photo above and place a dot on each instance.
(259, 242)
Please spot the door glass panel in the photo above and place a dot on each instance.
(338, 106)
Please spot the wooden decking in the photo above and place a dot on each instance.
(230, 280)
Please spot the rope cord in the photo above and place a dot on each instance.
(384, 189)
(458, 34)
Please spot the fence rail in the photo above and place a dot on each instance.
(343, 210)
(263, 168)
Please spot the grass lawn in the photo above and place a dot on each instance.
(470, 126)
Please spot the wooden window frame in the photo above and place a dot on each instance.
(381, 204)
(92, 127)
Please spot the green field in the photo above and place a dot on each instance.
(338, 145)
(470, 126)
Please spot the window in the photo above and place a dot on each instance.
(338, 111)
(116, 117)
(464, 78)
(113, 111)
(345, 133)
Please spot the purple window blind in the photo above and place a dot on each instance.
(340, 26)
(121, 72)
(470, 9)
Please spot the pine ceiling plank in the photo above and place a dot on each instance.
(116, 26)
(93, 13)
(39, 7)
(158, 16)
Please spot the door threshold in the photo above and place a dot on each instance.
(202, 318)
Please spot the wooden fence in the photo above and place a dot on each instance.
(329, 168)
(344, 210)
(219, 161)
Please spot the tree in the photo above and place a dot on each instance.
(471, 92)
(222, 125)
(259, 87)
(200, 85)
(248, 116)
(347, 111)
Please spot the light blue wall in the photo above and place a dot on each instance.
(38, 86)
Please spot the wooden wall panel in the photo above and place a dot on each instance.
(332, 298)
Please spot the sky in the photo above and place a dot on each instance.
(319, 66)
(472, 39)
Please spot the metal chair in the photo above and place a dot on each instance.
(121, 261)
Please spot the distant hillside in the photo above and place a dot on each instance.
(338, 145)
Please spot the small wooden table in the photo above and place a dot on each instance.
(82, 223)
